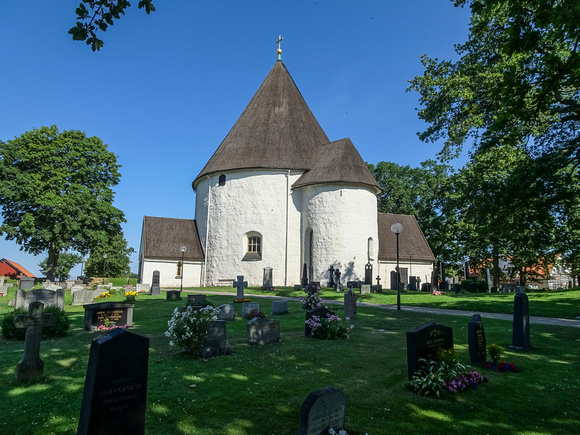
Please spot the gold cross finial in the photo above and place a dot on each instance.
(279, 51)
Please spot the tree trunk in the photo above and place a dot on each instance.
(495, 262)
(53, 254)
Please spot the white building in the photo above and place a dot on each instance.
(277, 193)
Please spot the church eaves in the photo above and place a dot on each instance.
(338, 162)
(276, 130)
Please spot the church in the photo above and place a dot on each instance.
(279, 198)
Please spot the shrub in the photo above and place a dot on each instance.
(188, 327)
(59, 327)
(312, 300)
(329, 328)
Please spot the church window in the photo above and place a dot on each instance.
(370, 249)
(253, 247)
(179, 270)
(222, 180)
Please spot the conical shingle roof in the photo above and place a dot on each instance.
(336, 163)
(277, 130)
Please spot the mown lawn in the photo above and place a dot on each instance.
(259, 390)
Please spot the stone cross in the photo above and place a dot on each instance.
(331, 282)
(378, 280)
(240, 284)
(31, 365)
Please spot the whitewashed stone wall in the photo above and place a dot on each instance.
(342, 220)
(168, 270)
(250, 201)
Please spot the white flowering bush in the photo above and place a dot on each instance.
(188, 327)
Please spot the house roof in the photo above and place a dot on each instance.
(411, 240)
(162, 238)
(17, 267)
(276, 130)
(338, 162)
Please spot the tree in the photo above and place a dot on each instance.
(56, 192)
(424, 193)
(66, 261)
(117, 262)
(99, 16)
(517, 81)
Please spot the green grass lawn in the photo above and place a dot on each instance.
(259, 390)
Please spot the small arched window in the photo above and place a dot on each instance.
(370, 249)
(253, 247)
(222, 180)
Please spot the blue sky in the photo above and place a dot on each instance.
(166, 88)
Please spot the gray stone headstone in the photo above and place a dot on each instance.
(227, 312)
(476, 340)
(69, 284)
(2, 279)
(279, 307)
(521, 323)
(31, 365)
(240, 285)
(172, 295)
(49, 298)
(263, 331)
(267, 279)
(155, 289)
(365, 289)
(76, 288)
(350, 304)
(322, 409)
(115, 395)
(196, 299)
(424, 341)
(82, 297)
(249, 306)
(215, 344)
(26, 283)
(53, 287)
(143, 288)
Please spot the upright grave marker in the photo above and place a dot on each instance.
(476, 340)
(350, 303)
(263, 331)
(155, 289)
(521, 324)
(115, 394)
(31, 365)
(424, 341)
(239, 285)
(322, 409)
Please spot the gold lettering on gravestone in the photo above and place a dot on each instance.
(111, 315)
(323, 420)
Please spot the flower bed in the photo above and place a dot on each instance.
(329, 328)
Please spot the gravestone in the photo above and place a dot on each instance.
(321, 312)
(53, 287)
(49, 298)
(350, 304)
(466, 270)
(240, 285)
(227, 312)
(249, 306)
(331, 273)
(424, 341)
(337, 283)
(304, 280)
(412, 283)
(115, 394)
(155, 288)
(426, 287)
(143, 288)
(215, 343)
(82, 297)
(443, 282)
(322, 409)
(2, 279)
(365, 289)
(31, 365)
(196, 299)
(369, 273)
(26, 283)
(378, 288)
(488, 278)
(97, 314)
(267, 279)
(172, 295)
(521, 323)
(473, 288)
(76, 288)
(476, 340)
(279, 307)
(263, 331)
(394, 278)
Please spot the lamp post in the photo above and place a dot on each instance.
(183, 248)
(397, 228)
(104, 260)
(410, 272)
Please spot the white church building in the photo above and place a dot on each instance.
(278, 194)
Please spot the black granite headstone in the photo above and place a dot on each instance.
(476, 340)
(424, 341)
(331, 273)
(322, 409)
(155, 289)
(115, 394)
(369, 273)
(412, 283)
(172, 295)
(116, 312)
(321, 312)
(521, 325)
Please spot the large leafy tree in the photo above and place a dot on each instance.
(66, 261)
(117, 263)
(56, 192)
(98, 15)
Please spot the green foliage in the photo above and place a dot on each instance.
(66, 261)
(430, 378)
(117, 263)
(482, 286)
(494, 352)
(56, 192)
(95, 15)
(59, 327)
